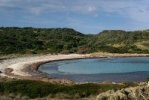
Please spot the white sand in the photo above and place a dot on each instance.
(18, 64)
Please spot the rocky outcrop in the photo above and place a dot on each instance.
(133, 93)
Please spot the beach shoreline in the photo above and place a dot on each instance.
(27, 67)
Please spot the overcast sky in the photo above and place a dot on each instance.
(88, 16)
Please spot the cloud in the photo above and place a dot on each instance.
(132, 10)
(135, 9)
(40, 6)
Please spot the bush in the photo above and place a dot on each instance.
(34, 89)
(65, 40)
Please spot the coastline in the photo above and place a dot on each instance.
(27, 67)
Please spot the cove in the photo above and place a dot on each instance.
(99, 69)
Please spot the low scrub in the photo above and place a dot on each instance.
(36, 89)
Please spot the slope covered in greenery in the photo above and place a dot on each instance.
(65, 40)
(38, 89)
(124, 42)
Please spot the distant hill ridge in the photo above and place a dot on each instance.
(67, 40)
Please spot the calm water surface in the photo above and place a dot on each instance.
(100, 69)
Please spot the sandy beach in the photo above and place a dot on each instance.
(23, 67)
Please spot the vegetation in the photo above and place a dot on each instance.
(36, 89)
(65, 40)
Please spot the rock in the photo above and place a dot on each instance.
(112, 95)
(133, 93)
(148, 83)
(8, 70)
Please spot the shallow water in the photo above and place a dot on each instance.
(99, 70)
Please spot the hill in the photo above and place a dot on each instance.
(124, 42)
(66, 40)
(35, 40)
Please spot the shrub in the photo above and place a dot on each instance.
(34, 89)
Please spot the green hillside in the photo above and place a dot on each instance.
(122, 41)
(65, 40)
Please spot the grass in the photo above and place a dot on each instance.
(144, 45)
(37, 89)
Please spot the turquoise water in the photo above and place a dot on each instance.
(97, 69)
